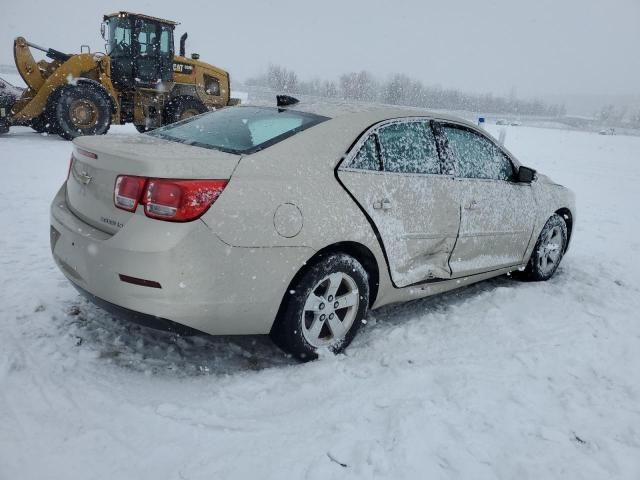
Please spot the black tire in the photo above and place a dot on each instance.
(45, 124)
(46, 121)
(82, 109)
(143, 128)
(552, 242)
(180, 108)
(292, 328)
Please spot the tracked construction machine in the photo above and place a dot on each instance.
(139, 80)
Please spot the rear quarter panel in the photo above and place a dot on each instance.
(298, 171)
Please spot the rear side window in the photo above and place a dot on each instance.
(239, 130)
(476, 156)
(367, 157)
(409, 147)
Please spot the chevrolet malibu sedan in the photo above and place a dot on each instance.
(296, 220)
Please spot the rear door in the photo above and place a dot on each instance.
(395, 174)
(497, 214)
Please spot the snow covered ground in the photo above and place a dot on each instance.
(503, 379)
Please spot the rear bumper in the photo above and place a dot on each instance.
(137, 317)
(205, 284)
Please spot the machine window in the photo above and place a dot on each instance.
(147, 37)
(119, 37)
(211, 85)
(165, 41)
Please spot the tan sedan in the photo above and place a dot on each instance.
(295, 220)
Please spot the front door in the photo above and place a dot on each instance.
(396, 178)
(497, 214)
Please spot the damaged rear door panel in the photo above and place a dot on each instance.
(395, 174)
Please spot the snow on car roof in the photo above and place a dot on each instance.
(365, 111)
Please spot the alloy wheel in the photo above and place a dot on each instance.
(330, 310)
(550, 250)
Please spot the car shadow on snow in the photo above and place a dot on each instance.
(142, 349)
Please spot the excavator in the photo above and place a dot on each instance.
(139, 80)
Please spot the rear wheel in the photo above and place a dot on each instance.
(324, 309)
(142, 128)
(46, 121)
(549, 250)
(181, 108)
(82, 109)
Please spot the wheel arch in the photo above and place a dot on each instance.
(358, 251)
(567, 216)
(363, 255)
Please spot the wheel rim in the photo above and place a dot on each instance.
(84, 113)
(550, 250)
(330, 310)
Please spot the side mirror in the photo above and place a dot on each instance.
(526, 174)
(103, 30)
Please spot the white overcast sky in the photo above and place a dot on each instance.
(535, 47)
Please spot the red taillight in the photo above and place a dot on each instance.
(180, 200)
(128, 192)
(172, 200)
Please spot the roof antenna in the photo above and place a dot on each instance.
(286, 100)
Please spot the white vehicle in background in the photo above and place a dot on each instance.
(296, 220)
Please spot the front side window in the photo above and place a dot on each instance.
(476, 156)
(367, 157)
(409, 147)
(240, 130)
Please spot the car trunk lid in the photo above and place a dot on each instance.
(91, 182)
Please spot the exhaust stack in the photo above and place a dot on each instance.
(183, 40)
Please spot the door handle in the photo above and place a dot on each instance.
(472, 205)
(382, 204)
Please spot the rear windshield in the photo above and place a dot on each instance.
(239, 130)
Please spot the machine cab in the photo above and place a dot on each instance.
(141, 50)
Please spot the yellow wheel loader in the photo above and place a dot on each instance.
(139, 80)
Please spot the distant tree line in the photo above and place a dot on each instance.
(399, 89)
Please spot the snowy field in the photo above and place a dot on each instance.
(503, 379)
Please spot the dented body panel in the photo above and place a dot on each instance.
(281, 207)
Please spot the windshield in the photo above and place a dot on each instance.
(239, 129)
(119, 37)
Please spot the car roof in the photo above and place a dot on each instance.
(362, 112)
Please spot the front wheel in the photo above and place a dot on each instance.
(82, 109)
(324, 309)
(549, 250)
